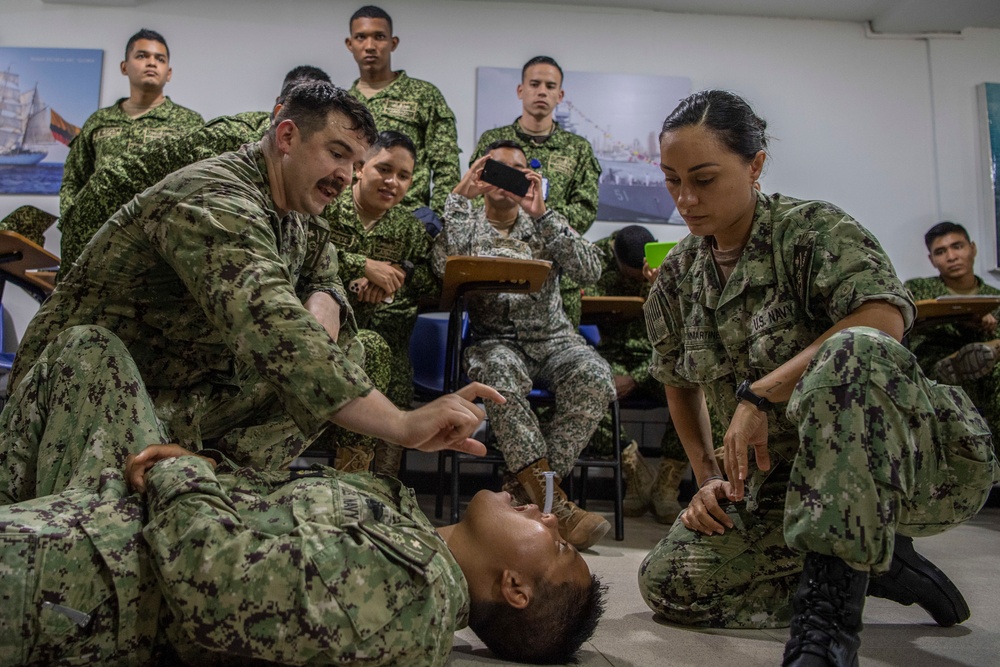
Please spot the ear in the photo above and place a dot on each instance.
(395, 43)
(170, 73)
(973, 245)
(515, 589)
(562, 93)
(285, 135)
(757, 165)
(122, 68)
(520, 86)
(347, 43)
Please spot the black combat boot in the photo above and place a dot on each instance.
(912, 578)
(827, 620)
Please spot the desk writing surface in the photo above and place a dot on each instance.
(605, 309)
(956, 307)
(499, 274)
(32, 265)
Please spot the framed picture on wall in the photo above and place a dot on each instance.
(989, 113)
(45, 96)
(620, 115)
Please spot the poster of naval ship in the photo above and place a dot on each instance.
(45, 96)
(620, 115)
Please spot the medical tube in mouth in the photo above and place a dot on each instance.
(549, 481)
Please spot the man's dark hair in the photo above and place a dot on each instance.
(370, 12)
(146, 33)
(390, 139)
(309, 104)
(630, 245)
(549, 631)
(542, 60)
(942, 229)
(505, 143)
(727, 115)
(300, 74)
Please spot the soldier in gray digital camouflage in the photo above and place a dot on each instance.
(120, 177)
(384, 256)
(145, 115)
(211, 563)
(404, 104)
(962, 353)
(523, 339)
(221, 283)
(838, 451)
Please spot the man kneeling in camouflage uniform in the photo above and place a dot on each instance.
(220, 564)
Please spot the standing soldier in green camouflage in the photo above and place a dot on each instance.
(411, 106)
(523, 339)
(144, 116)
(121, 177)
(222, 284)
(773, 302)
(217, 564)
(964, 353)
(384, 257)
(565, 160)
(627, 350)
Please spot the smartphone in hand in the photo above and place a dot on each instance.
(506, 178)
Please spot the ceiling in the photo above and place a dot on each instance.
(884, 16)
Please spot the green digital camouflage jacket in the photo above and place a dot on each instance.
(806, 266)
(110, 132)
(205, 284)
(569, 165)
(121, 177)
(418, 109)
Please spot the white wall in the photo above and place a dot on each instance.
(888, 129)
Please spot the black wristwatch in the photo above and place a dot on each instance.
(743, 393)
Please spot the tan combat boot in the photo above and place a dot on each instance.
(580, 528)
(353, 459)
(638, 479)
(970, 362)
(666, 488)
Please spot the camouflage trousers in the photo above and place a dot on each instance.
(573, 371)
(985, 394)
(81, 408)
(881, 449)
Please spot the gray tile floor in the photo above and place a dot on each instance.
(894, 635)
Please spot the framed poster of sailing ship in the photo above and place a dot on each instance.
(45, 96)
(620, 115)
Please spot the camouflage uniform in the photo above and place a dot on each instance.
(866, 447)
(418, 109)
(110, 132)
(933, 344)
(205, 284)
(396, 238)
(572, 171)
(121, 177)
(214, 567)
(522, 338)
(29, 222)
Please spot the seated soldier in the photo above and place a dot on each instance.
(219, 565)
(963, 353)
(627, 349)
(384, 256)
(521, 339)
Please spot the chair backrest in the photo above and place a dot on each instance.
(428, 345)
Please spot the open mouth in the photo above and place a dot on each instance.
(328, 189)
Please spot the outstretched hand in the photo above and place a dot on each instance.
(450, 421)
(137, 465)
